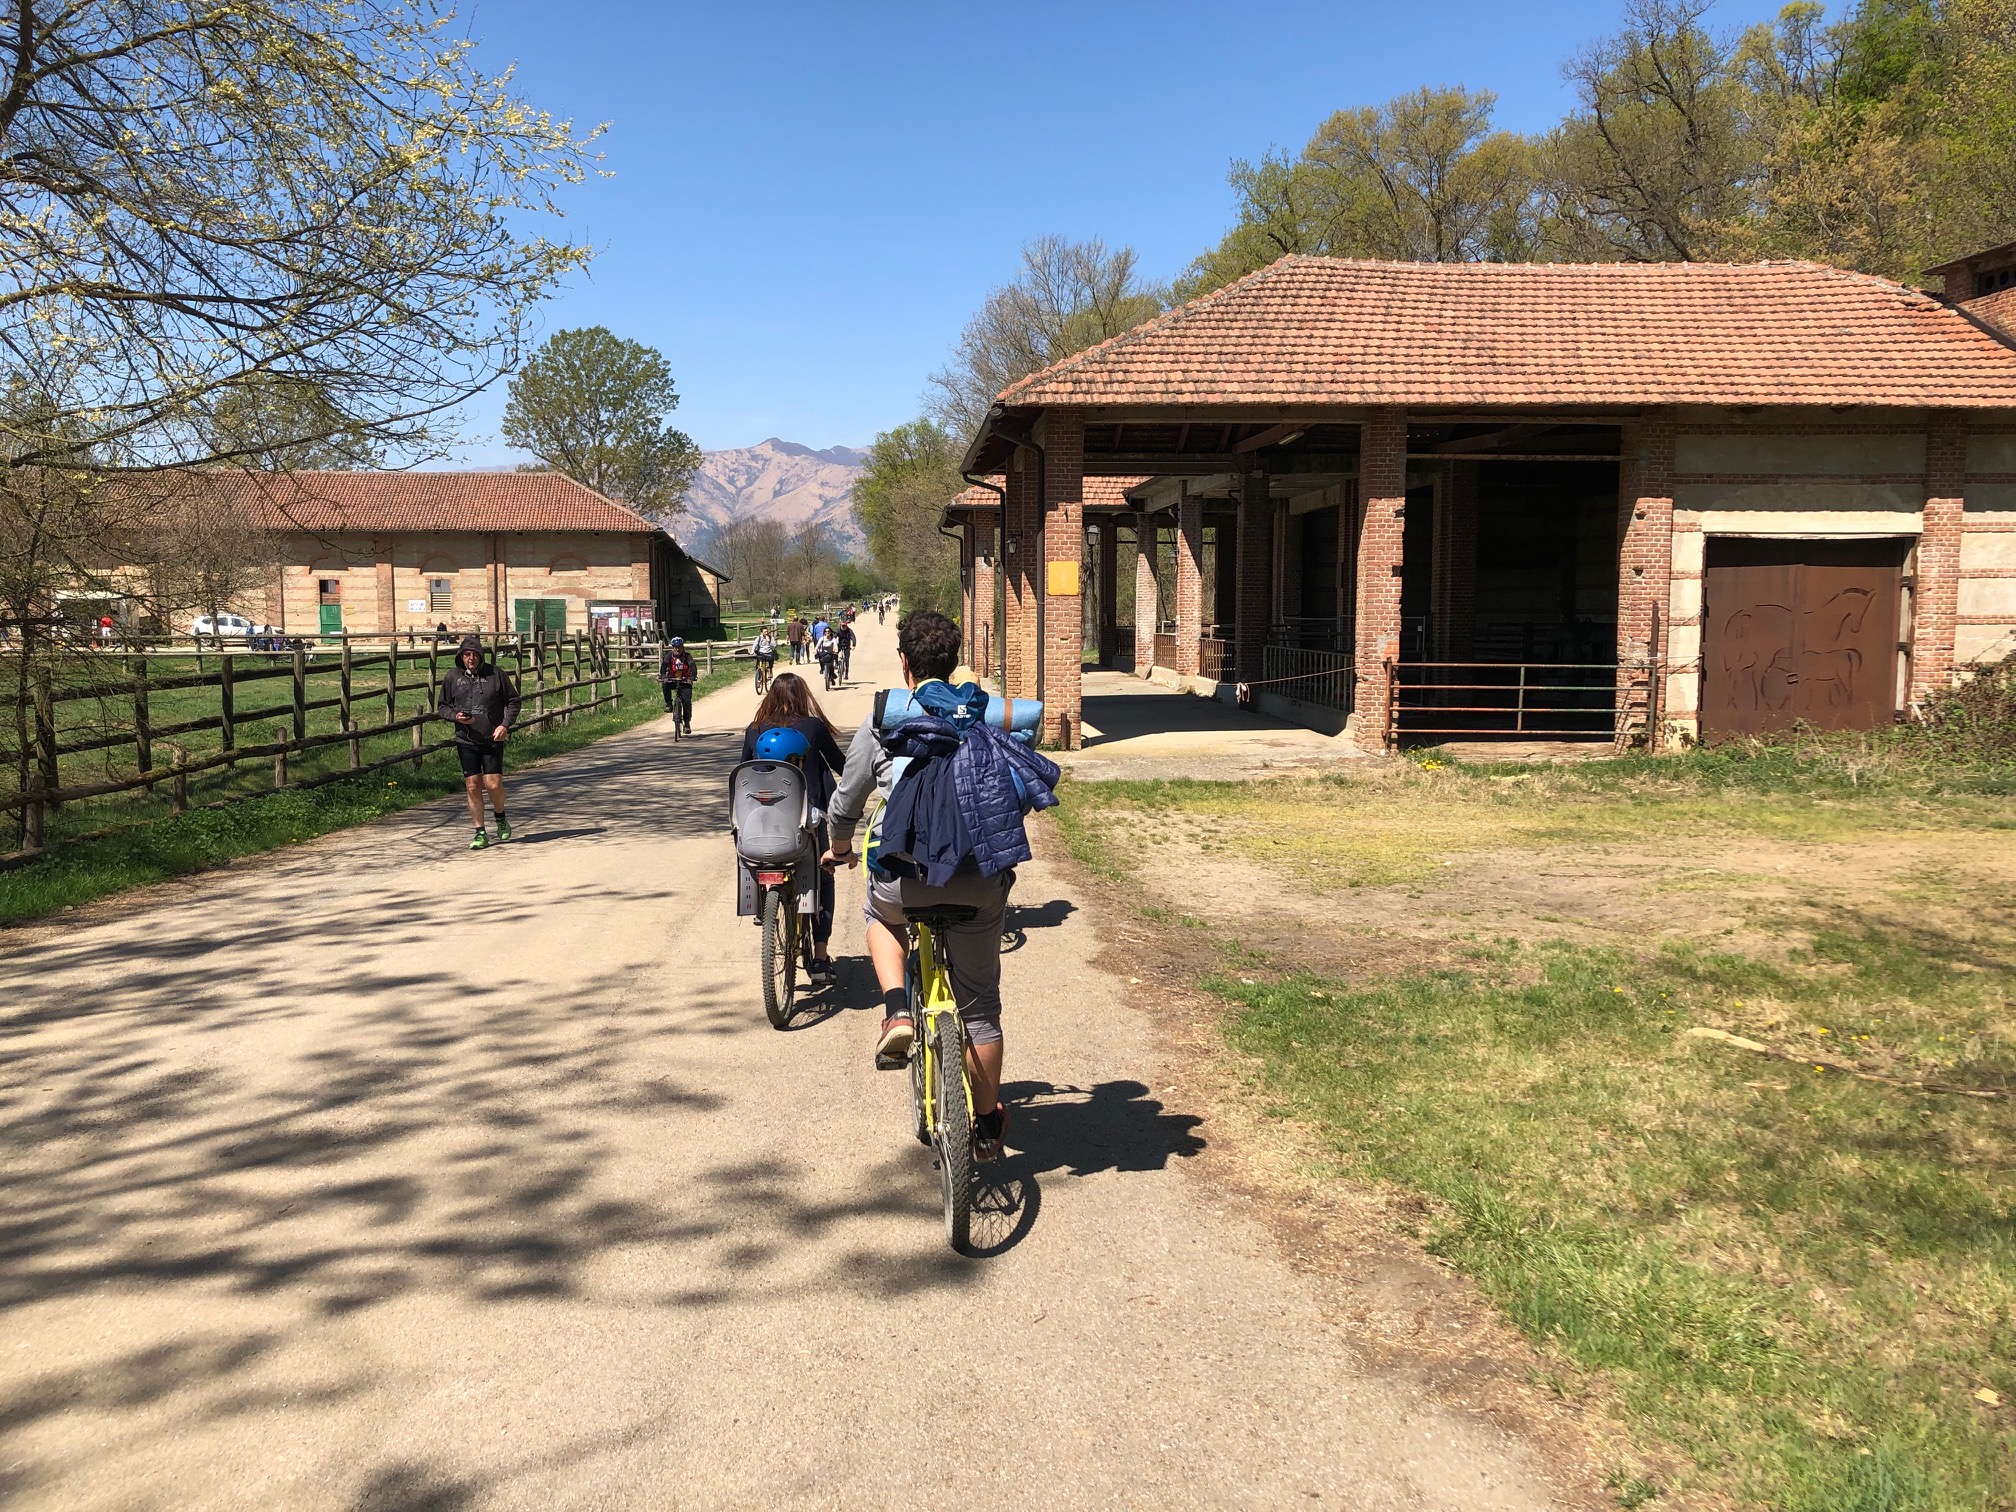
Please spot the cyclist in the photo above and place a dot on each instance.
(827, 652)
(675, 675)
(843, 642)
(927, 647)
(789, 705)
(764, 649)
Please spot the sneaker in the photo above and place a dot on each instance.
(893, 1048)
(821, 971)
(482, 839)
(503, 828)
(989, 1129)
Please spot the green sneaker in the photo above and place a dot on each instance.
(482, 839)
(503, 828)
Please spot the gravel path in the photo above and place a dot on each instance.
(379, 1175)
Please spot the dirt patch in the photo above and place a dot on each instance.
(1402, 1309)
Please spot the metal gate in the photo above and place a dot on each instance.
(1799, 631)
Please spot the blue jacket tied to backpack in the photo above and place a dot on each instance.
(963, 791)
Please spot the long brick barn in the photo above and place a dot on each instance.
(1544, 499)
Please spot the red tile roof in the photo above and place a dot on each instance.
(1333, 331)
(1099, 493)
(418, 502)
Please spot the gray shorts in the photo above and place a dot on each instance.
(972, 949)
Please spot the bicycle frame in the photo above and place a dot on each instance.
(932, 999)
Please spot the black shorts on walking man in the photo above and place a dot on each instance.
(479, 700)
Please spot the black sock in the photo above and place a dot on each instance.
(896, 1002)
(498, 814)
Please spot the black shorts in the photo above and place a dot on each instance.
(479, 757)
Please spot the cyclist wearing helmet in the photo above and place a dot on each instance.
(795, 728)
(675, 675)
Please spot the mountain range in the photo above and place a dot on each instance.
(778, 480)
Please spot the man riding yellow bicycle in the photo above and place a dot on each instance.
(945, 843)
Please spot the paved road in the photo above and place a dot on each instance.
(383, 1176)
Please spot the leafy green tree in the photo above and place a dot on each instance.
(1422, 178)
(911, 474)
(593, 406)
(1068, 296)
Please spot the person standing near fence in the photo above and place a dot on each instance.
(481, 702)
(794, 633)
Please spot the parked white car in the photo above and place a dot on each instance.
(228, 624)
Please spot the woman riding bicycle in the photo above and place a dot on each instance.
(789, 705)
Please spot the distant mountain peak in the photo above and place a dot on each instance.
(780, 480)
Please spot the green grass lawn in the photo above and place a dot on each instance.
(171, 845)
(1798, 1279)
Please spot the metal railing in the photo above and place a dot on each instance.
(1214, 657)
(1531, 700)
(1324, 678)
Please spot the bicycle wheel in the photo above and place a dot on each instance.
(920, 1109)
(780, 959)
(955, 1131)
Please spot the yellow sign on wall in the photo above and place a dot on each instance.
(1062, 579)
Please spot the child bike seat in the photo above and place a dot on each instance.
(943, 916)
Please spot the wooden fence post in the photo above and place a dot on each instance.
(45, 733)
(433, 673)
(343, 688)
(178, 782)
(143, 734)
(391, 679)
(280, 756)
(539, 674)
(418, 741)
(356, 745)
(225, 701)
(300, 695)
(33, 822)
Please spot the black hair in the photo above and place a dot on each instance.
(929, 642)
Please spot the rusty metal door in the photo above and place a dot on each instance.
(1799, 631)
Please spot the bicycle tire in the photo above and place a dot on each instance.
(780, 964)
(955, 1133)
(920, 1111)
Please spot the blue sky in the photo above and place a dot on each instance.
(809, 200)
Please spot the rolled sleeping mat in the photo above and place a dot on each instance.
(1020, 717)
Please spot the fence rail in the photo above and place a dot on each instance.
(1324, 678)
(1533, 700)
(545, 670)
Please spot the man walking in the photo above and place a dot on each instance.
(795, 634)
(482, 704)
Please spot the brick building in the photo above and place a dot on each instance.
(389, 552)
(1524, 498)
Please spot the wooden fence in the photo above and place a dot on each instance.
(549, 674)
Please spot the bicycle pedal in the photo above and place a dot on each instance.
(891, 1062)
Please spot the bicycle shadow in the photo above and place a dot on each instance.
(1111, 1126)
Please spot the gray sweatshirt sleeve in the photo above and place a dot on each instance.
(867, 772)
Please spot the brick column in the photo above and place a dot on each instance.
(1147, 592)
(1936, 602)
(1020, 569)
(1109, 588)
(1382, 485)
(1256, 574)
(1644, 564)
(1189, 582)
(387, 594)
(1062, 435)
(981, 648)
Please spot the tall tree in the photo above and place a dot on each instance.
(911, 474)
(1068, 296)
(593, 406)
(1422, 178)
(288, 424)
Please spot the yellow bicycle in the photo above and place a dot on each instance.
(941, 1096)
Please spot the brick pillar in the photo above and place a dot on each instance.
(1936, 602)
(1062, 436)
(1382, 485)
(1018, 564)
(1256, 574)
(1147, 593)
(1644, 563)
(1189, 583)
(980, 633)
(387, 607)
(1109, 588)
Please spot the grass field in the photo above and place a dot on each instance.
(1475, 985)
(171, 845)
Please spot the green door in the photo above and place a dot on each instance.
(332, 619)
(549, 614)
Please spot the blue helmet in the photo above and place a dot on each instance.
(782, 744)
